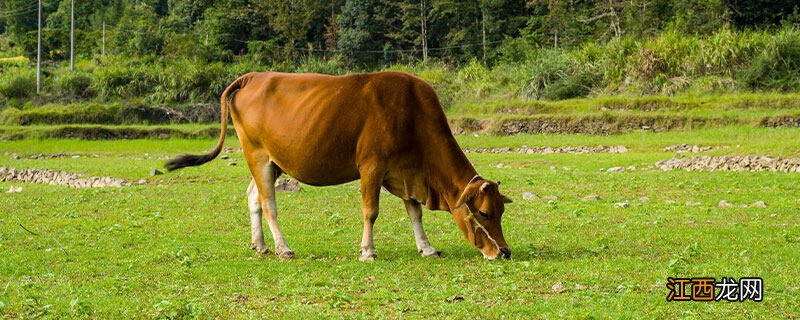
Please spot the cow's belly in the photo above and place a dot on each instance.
(317, 161)
(318, 173)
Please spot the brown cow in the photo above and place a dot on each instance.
(387, 129)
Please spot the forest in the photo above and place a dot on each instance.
(185, 51)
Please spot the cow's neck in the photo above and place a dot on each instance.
(452, 173)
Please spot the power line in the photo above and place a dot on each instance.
(18, 11)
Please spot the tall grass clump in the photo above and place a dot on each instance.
(17, 83)
(74, 85)
(777, 65)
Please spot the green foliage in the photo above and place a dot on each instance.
(777, 66)
(74, 85)
(17, 83)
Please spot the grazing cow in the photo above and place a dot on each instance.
(387, 129)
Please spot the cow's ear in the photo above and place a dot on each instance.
(469, 193)
(506, 200)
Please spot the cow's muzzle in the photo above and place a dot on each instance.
(505, 253)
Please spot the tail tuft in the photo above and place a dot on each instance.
(188, 161)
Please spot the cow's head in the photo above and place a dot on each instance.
(478, 212)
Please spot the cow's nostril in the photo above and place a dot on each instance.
(506, 253)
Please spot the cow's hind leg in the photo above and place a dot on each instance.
(257, 231)
(266, 186)
(415, 215)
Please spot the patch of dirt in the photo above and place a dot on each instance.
(732, 163)
(61, 178)
(785, 121)
(684, 148)
(110, 133)
(605, 124)
(540, 149)
(52, 156)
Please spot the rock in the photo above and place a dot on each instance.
(631, 168)
(142, 181)
(155, 172)
(287, 185)
(231, 164)
(14, 189)
(670, 202)
(455, 298)
(593, 197)
(528, 196)
(558, 288)
(724, 204)
(623, 204)
(224, 156)
(617, 149)
(580, 287)
(616, 169)
(644, 199)
(693, 204)
(550, 197)
(759, 204)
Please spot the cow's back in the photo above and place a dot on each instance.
(320, 128)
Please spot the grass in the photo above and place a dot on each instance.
(178, 247)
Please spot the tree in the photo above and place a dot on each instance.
(361, 37)
(761, 13)
(138, 32)
(290, 20)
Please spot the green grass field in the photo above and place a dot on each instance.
(178, 247)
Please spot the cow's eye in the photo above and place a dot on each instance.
(484, 214)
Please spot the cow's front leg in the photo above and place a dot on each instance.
(370, 194)
(256, 230)
(415, 215)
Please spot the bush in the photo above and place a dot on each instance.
(74, 85)
(18, 83)
(778, 65)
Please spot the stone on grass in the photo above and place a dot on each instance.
(724, 204)
(231, 163)
(558, 288)
(759, 204)
(644, 199)
(287, 185)
(623, 204)
(616, 169)
(224, 156)
(155, 172)
(592, 197)
(528, 196)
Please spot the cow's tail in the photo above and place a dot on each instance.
(196, 160)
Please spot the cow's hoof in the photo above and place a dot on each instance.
(431, 253)
(259, 249)
(285, 255)
(368, 256)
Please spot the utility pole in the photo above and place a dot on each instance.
(104, 39)
(424, 23)
(39, 53)
(483, 31)
(72, 38)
